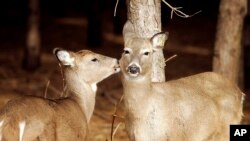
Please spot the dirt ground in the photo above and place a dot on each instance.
(190, 39)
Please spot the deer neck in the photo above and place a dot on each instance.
(135, 92)
(82, 93)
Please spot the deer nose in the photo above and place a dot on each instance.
(133, 69)
(117, 66)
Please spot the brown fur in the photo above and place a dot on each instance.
(63, 119)
(195, 108)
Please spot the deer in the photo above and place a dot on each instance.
(32, 118)
(199, 107)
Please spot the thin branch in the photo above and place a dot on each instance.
(116, 130)
(46, 89)
(113, 118)
(117, 1)
(121, 117)
(170, 58)
(175, 10)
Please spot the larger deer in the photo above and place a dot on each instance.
(195, 108)
(37, 119)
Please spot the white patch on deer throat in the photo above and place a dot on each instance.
(94, 87)
(1, 124)
(22, 125)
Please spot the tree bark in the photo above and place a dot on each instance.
(144, 20)
(31, 60)
(227, 58)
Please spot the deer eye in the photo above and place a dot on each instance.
(126, 52)
(146, 53)
(94, 60)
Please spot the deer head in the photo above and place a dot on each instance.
(136, 60)
(90, 66)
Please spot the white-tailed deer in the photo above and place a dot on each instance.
(195, 108)
(32, 118)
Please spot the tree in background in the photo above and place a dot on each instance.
(31, 59)
(144, 20)
(227, 58)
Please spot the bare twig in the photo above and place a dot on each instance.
(118, 125)
(46, 89)
(119, 116)
(175, 10)
(170, 58)
(117, 1)
(113, 118)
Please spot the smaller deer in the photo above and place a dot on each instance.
(38, 119)
(195, 108)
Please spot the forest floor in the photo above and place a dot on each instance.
(190, 39)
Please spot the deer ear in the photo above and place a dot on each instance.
(65, 57)
(158, 40)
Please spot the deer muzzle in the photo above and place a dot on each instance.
(117, 67)
(133, 70)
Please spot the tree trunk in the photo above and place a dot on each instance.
(228, 45)
(144, 20)
(31, 60)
